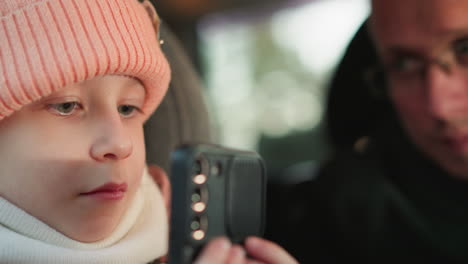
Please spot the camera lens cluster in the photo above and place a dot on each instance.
(199, 199)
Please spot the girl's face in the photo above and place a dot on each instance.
(58, 152)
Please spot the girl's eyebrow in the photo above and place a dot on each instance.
(59, 93)
(43, 100)
(131, 78)
(133, 85)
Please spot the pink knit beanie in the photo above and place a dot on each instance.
(46, 45)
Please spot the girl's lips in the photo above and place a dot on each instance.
(109, 191)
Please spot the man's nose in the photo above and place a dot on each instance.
(446, 92)
(111, 142)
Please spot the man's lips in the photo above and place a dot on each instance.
(108, 191)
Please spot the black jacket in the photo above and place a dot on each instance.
(387, 205)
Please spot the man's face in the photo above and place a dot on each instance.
(424, 47)
(57, 152)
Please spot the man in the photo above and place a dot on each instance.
(405, 198)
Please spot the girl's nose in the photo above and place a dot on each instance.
(111, 142)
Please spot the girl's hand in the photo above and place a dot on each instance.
(221, 251)
(265, 251)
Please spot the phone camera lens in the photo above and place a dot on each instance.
(198, 222)
(199, 199)
(200, 166)
(199, 179)
(199, 207)
(195, 225)
(199, 227)
(198, 234)
(197, 196)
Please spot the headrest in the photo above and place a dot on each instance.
(182, 116)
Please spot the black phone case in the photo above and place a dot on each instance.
(228, 199)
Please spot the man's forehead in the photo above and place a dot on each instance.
(418, 22)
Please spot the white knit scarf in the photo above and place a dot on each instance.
(140, 237)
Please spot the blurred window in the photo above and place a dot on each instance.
(266, 71)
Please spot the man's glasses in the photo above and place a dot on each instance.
(408, 69)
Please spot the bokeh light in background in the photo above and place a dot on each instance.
(266, 75)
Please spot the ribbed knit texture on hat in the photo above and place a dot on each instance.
(47, 44)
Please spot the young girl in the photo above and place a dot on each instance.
(78, 78)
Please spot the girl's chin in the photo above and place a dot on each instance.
(94, 230)
(89, 236)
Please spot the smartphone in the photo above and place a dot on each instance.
(216, 191)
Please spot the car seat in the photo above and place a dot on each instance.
(182, 116)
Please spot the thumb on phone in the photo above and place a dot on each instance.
(268, 252)
(215, 252)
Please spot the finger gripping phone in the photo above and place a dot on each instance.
(216, 191)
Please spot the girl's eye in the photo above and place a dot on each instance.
(127, 110)
(64, 109)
